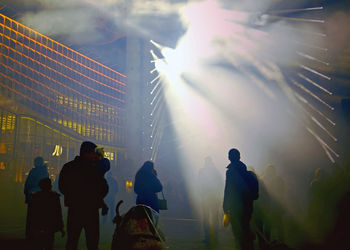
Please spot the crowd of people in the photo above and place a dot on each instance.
(253, 206)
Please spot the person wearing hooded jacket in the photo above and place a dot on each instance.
(31, 186)
(147, 185)
(241, 189)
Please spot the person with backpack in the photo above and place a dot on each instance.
(241, 189)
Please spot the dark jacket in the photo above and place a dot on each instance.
(81, 184)
(146, 187)
(32, 182)
(46, 212)
(103, 166)
(241, 188)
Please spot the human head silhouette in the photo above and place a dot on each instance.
(45, 184)
(234, 155)
(148, 166)
(38, 161)
(87, 150)
(208, 162)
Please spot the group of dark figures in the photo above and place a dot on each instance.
(84, 187)
(311, 215)
(83, 184)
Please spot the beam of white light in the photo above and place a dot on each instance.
(314, 83)
(158, 107)
(153, 70)
(311, 93)
(155, 96)
(323, 128)
(305, 32)
(157, 45)
(158, 103)
(155, 57)
(155, 79)
(295, 10)
(324, 145)
(156, 121)
(315, 72)
(156, 150)
(303, 100)
(156, 144)
(312, 58)
(154, 129)
(155, 87)
(312, 46)
(295, 19)
(224, 85)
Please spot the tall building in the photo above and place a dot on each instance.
(51, 99)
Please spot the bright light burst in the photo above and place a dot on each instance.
(248, 80)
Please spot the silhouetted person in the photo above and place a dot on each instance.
(103, 166)
(210, 192)
(110, 198)
(31, 186)
(83, 188)
(46, 216)
(241, 189)
(147, 186)
(268, 210)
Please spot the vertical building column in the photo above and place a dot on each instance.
(134, 100)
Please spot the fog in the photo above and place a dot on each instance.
(232, 74)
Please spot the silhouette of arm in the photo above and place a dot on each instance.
(28, 184)
(58, 213)
(157, 186)
(228, 193)
(104, 187)
(62, 182)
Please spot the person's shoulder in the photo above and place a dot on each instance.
(72, 163)
(31, 171)
(242, 165)
(55, 194)
(229, 169)
(38, 195)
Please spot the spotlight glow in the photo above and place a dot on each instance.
(225, 87)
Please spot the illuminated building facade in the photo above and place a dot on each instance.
(51, 99)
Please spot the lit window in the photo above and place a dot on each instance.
(128, 186)
(58, 150)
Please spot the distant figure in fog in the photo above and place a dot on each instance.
(31, 186)
(110, 198)
(241, 189)
(269, 209)
(103, 166)
(210, 186)
(147, 186)
(83, 188)
(46, 216)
